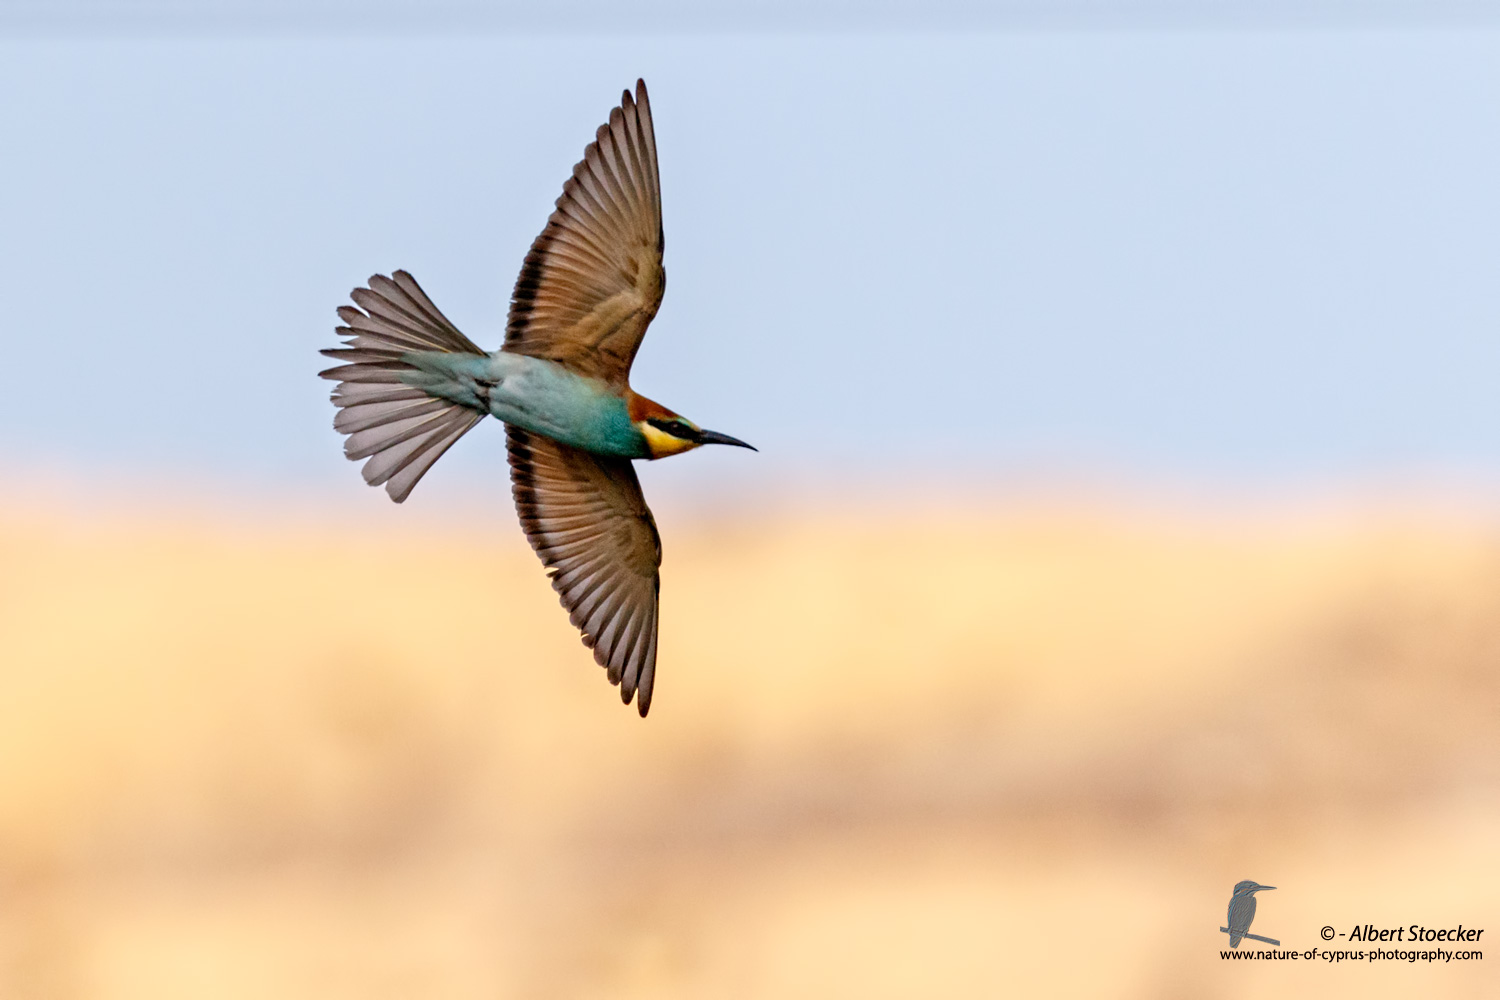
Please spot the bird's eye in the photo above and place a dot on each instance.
(676, 428)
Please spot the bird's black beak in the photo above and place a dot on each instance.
(714, 437)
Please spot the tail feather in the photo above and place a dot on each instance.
(384, 436)
(399, 466)
(362, 393)
(375, 330)
(354, 419)
(400, 428)
(401, 303)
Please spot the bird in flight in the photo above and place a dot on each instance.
(410, 384)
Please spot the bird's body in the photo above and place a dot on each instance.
(536, 395)
(411, 384)
(1242, 910)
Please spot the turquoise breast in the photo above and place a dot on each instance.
(545, 397)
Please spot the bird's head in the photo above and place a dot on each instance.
(668, 433)
(1249, 887)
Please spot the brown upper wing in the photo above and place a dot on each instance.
(593, 279)
(585, 516)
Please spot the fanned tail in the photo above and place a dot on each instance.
(400, 427)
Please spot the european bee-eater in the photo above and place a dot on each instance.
(411, 384)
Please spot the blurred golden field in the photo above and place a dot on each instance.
(964, 752)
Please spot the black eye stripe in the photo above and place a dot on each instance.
(676, 428)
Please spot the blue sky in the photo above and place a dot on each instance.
(1261, 255)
